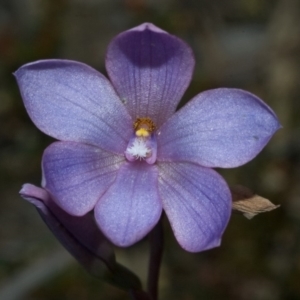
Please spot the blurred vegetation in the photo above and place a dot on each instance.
(253, 45)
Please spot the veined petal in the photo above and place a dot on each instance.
(77, 175)
(150, 70)
(218, 128)
(131, 207)
(71, 101)
(79, 235)
(197, 202)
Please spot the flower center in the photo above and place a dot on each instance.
(143, 127)
(142, 146)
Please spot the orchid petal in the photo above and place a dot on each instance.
(197, 202)
(218, 128)
(150, 70)
(131, 207)
(71, 101)
(77, 175)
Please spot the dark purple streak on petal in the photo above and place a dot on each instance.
(150, 70)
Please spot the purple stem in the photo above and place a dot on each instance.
(156, 249)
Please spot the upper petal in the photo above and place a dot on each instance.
(71, 101)
(78, 174)
(197, 202)
(150, 70)
(131, 207)
(218, 128)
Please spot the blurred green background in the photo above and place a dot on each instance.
(248, 44)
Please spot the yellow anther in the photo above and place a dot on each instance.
(142, 132)
(143, 127)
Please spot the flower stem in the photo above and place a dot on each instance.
(156, 250)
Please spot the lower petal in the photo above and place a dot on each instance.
(197, 202)
(77, 175)
(131, 207)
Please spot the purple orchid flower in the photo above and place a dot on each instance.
(126, 154)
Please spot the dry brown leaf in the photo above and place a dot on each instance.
(248, 203)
